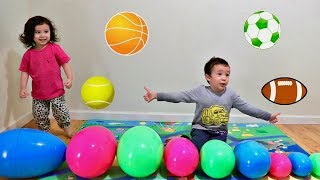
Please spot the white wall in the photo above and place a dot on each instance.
(13, 111)
(184, 34)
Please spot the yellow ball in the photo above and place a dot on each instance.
(97, 92)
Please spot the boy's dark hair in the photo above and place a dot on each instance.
(27, 36)
(212, 62)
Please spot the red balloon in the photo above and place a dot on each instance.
(181, 157)
(281, 165)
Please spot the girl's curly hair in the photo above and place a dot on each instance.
(29, 28)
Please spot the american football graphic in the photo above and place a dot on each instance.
(284, 91)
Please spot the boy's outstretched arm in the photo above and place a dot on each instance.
(150, 95)
(273, 119)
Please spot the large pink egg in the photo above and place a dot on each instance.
(91, 151)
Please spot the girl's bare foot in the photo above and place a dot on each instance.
(69, 132)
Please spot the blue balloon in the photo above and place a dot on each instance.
(301, 164)
(252, 159)
(26, 153)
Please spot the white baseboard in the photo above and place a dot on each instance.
(156, 116)
(20, 122)
(184, 117)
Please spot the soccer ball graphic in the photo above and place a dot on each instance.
(262, 30)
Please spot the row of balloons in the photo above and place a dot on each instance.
(140, 151)
(92, 151)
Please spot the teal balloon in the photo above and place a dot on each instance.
(252, 159)
(315, 160)
(217, 159)
(140, 151)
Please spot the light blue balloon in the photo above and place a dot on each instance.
(301, 164)
(252, 159)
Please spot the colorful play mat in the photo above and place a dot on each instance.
(268, 135)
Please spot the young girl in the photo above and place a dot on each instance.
(42, 62)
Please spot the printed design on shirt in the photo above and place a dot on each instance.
(215, 116)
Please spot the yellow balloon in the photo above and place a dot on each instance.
(97, 92)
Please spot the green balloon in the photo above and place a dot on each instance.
(217, 159)
(140, 151)
(315, 159)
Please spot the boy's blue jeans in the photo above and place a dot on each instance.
(199, 137)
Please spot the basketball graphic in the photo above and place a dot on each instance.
(126, 33)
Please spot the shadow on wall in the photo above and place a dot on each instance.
(14, 107)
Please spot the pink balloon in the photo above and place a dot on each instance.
(181, 157)
(280, 165)
(91, 151)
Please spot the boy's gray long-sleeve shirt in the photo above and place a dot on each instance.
(212, 110)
